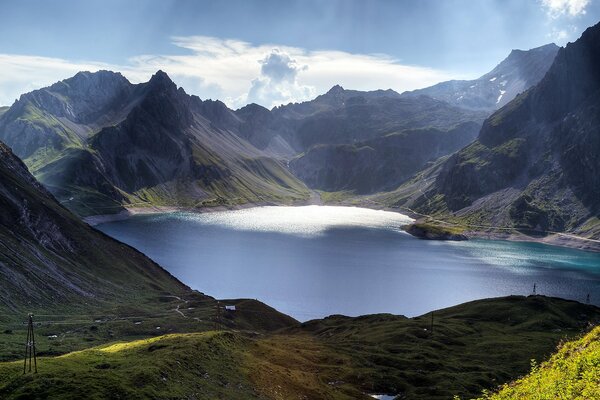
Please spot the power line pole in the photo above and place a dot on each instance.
(534, 289)
(30, 347)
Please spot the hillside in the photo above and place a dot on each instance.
(518, 72)
(473, 346)
(50, 258)
(572, 373)
(534, 166)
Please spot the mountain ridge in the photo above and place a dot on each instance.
(533, 167)
(520, 70)
(151, 144)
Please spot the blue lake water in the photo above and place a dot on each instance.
(310, 262)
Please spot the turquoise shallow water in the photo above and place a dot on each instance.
(314, 261)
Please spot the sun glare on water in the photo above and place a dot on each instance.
(302, 221)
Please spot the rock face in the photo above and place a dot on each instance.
(517, 73)
(536, 162)
(48, 257)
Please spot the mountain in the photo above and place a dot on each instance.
(381, 163)
(515, 74)
(362, 142)
(535, 164)
(343, 116)
(49, 259)
(367, 142)
(97, 142)
(100, 143)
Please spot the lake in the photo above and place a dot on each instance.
(314, 261)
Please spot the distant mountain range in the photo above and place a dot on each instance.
(517, 73)
(100, 143)
(97, 142)
(535, 165)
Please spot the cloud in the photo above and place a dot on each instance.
(279, 66)
(572, 8)
(233, 71)
(562, 36)
(277, 83)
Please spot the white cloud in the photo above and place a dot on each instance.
(557, 8)
(278, 81)
(558, 36)
(234, 71)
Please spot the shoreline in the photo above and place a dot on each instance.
(128, 212)
(565, 240)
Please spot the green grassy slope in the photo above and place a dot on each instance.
(572, 373)
(474, 346)
(208, 365)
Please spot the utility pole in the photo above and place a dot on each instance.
(534, 289)
(30, 347)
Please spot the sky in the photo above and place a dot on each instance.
(274, 52)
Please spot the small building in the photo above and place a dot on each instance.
(230, 308)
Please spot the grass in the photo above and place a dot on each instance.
(572, 373)
(225, 365)
(473, 346)
(203, 365)
(72, 329)
(336, 197)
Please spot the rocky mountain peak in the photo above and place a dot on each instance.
(161, 79)
(335, 90)
(87, 83)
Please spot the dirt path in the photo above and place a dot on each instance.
(176, 309)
